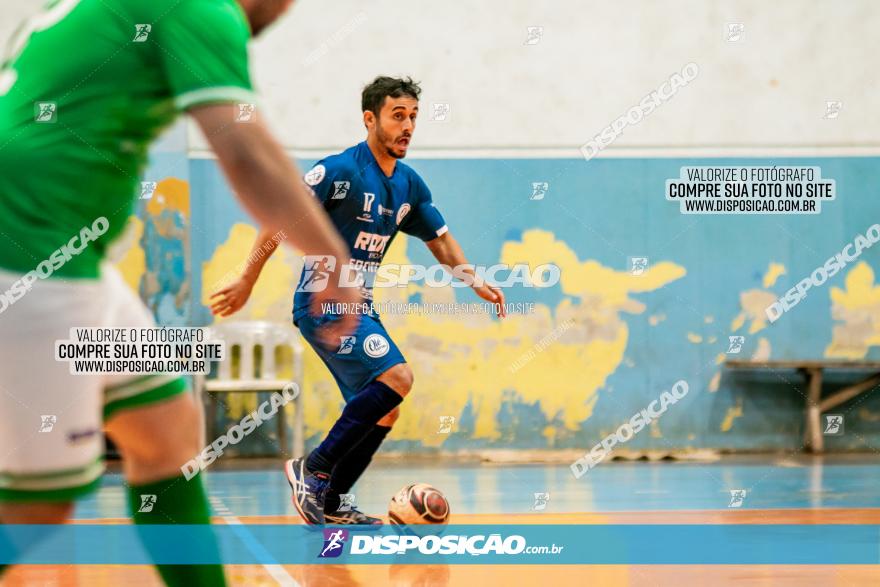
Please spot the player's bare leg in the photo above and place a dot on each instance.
(155, 441)
(389, 419)
(48, 513)
(399, 378)
(35, 513)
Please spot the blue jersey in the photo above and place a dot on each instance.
(368, 208)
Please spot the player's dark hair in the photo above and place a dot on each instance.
(374, 94)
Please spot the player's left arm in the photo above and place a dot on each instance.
(425, 221)
(447, 250)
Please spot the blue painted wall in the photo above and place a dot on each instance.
(608, 210)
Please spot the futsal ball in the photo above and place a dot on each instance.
(418, 504)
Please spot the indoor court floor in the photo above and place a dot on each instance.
(778, 490)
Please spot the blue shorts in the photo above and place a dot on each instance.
(360, 358)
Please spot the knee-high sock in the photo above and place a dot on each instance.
(349, 469)
(369, 406)
(179, 501)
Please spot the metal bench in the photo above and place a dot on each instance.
(816, 404)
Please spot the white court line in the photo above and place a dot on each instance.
(277, 572)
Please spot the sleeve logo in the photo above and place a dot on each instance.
(315, 176)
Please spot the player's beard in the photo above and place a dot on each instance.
(389, 143)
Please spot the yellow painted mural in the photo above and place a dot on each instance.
(473, 358)
(856, 309)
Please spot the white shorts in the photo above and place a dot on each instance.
(51, 439)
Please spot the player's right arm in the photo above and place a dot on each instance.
(269, 186)
(202, 46)
(230, 299)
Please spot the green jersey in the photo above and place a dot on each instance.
(87, 86)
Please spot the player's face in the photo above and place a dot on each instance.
(262, 13)
(395, 125)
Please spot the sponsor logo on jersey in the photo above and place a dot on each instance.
(361, 265)
(386, 211)
(368, 204)
(404, 210)
(340, 190)
(368, 241)
(376, 346)
(315, 175)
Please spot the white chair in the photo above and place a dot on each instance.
(253, 376)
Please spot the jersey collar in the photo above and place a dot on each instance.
(368, 154)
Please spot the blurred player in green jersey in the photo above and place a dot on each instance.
(85, 87)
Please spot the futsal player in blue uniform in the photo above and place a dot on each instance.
(369, 195)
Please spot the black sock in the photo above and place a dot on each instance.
(353, 465)
(366, 408)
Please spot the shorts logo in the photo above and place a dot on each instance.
(402, 212)
(340, 190)
(315, 176)
(376, 346)
(81, 435)
(346, 345)
(333, 542)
